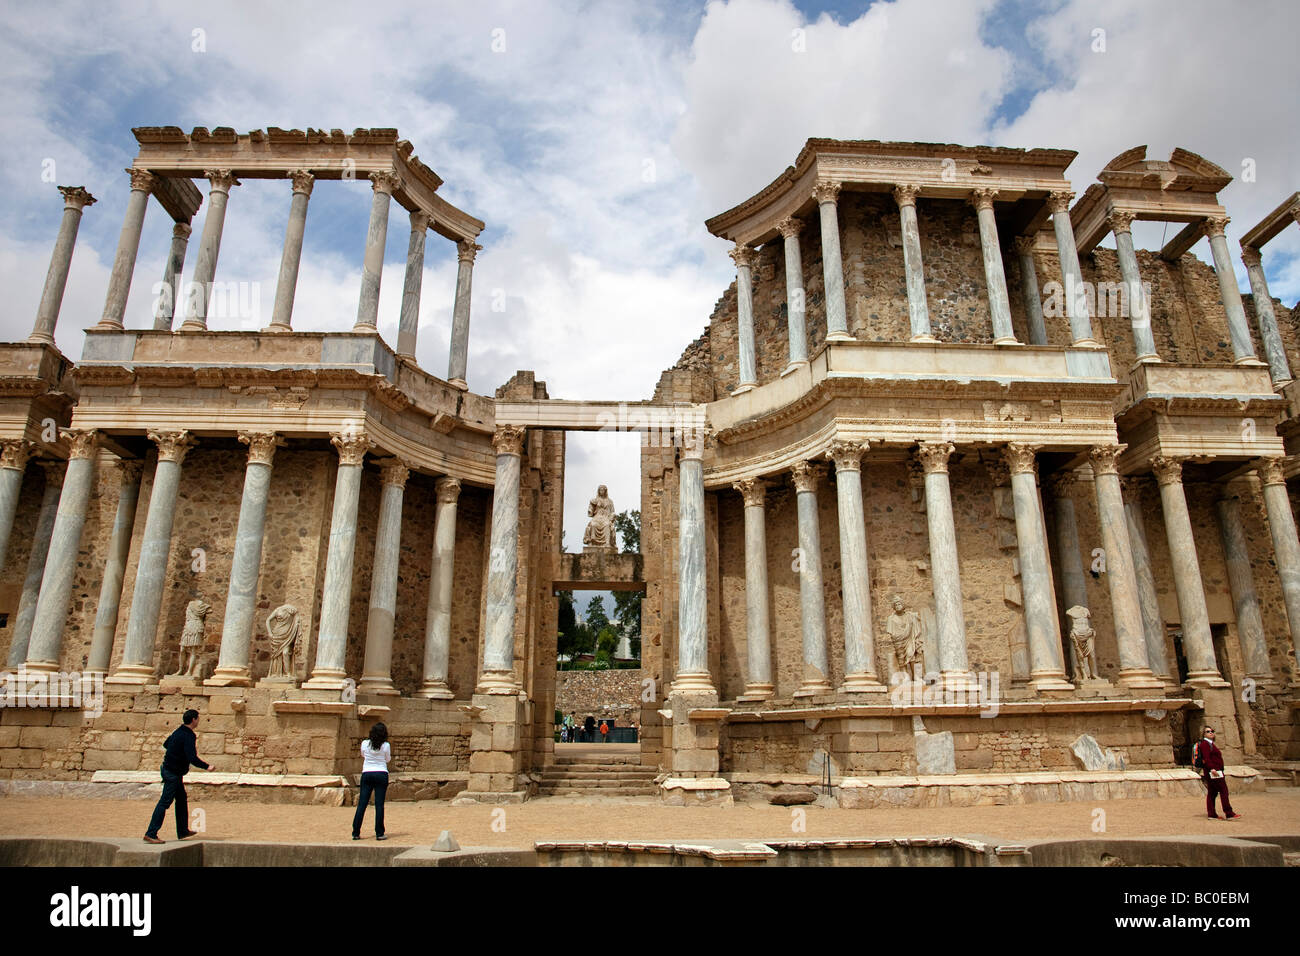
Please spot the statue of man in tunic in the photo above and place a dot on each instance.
(599, 535)
(906, 636)
(282, 625)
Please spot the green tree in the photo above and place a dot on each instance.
(597, 618)
(628, 525)
(627, 614)
(568, 637)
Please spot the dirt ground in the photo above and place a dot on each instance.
(643, 818)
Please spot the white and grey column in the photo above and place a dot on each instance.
(171, 290)
(1024, 246)
(758, 638)
(458, 360)
(408, 325)
(383, 186)
(128, 245)
(795, 298)
(1153, 625)
(1279, 368)
(995, 277)
(498, 674)
(1139, 309)
(330, 669)
(377, 669)
(14, 453)
(286, 285)
(950, 620)
(1076, 299)
(22, 626)
(812, 602)
(1286, 546)
(837, 325)
(46, 647)
(119, 547)
(692, 675)
(199, 294)
(1241, 580)
(918, 310)
(1243, 349)
(75, 199)
(1069, 572)
(437, 634)
(855, 578)
(241, 601)
(743, 257)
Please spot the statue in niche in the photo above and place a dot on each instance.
(599, 535)
(191, 663)
(283, 628)
(907, 639)
(1083, 639)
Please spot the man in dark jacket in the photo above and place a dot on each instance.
(180, 755)
(1216, 782)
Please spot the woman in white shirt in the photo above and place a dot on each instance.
(375, 754)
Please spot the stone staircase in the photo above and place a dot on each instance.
(616, 775)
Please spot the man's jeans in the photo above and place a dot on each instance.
(173, 789)
(376, 782)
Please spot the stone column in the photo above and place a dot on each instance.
(75, 199)
(128, 244)
(1243, 349)
(1192, 612)
(136, 667)
(14, 453)
(1139, 309)
(377, 670)
(950, 619)
(812, 603)
(383, 186)
(330, 670)
(119, 547)
(1029, 289)
(855, 577)
(1278, 367)
(837, 326)
(743, 257)
(918, 311)
(173, 290)
(795, 299)
(1286, 546)
(1153, 625)
(408, 326)
(241, 600)
(1245, 602)
(1042, 627)
(290, 258)
(1076, 301)
(205, 267)
(692, 605)
(994, 275)
(46, 645)
(437, 635)
(498, 675)
(759, 684)
(1074, 589)
(466, 250)
(22, 626)
(1121, 577)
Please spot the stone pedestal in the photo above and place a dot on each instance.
(497, 743)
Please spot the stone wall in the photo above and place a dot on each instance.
(612, 693)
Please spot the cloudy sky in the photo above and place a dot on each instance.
(594, 139)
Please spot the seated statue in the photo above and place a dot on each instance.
(599, 535)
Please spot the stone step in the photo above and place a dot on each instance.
(600, 767)
(545, 791)
(592, 783)
(588, 770)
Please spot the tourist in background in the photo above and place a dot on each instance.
(1209, 760)
(375, 755)
(180, 754)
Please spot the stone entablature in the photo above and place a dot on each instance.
(36, 384)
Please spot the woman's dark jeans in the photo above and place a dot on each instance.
(376, 782)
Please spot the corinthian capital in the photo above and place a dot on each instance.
(172, 445)
(83, 442)
(1024, 244)
(806, 475)
(1214, 225)
(1105, 458)
(447, 490)
(261, 446)
(1119, 221)
(419, 221)
(142, 180)
(130, 470)
(509, 439)
(1020, 457)
(303, 181)
(221, 179)
(1251, 257)
(847, 455)
(385, 182)
(466, 250)
(754, 491)
(76, 197)
(905, 194)
(14, 453)
(982, 198)
(826, 191)
(1058, 200)
(352, 445)
(790, 227)
(934, 455)
(1168, 471)
(743, 256)
(394, 472)
(1270, 471)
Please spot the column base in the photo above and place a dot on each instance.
(1049, 682)
(794, 367)
(435, 690)
(500, 683)
(40, 667)
(1206, 679)
(1151, 359)
(103, 325)
(1087, 344)
(273, 327)
(838, 336)
(41, 338)
(365, 328)
(697, 682)
(459, 383)
(230, 677)
(756, 692)
(923, 338)
(1008, 341)
(382, 685)
(743, 388)
(957, 682)
(863, 683)
(193, 325)
(327, 678)
(1140, 678)
(131, 676)
(814, 688)
(1250, 360)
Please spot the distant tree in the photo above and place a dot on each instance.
(597, 618)
(573, 638)
(628, 525)
(627, 615)
(606, 642)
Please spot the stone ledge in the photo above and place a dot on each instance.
(337, 707)
(225, 779)
(1005, 708)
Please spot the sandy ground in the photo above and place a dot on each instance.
(643, 818)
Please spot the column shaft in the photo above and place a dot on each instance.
(498, 675)
(437, 636)
(22, 627)
(1042, 627)
(1069, 567)
(1278, 367)
(1286, 546)
(1076, 301)
(291, 257)
(205, 266)
(13, 464)
(1153, 625)
(172, 290)
(1029, 290)
(1245, 601)
(459, 359)
(918, 310)
(995, 276)
(758, 685)
(692, 602)
(837, 326)
(377, 672)
(812, 602)
(950, 620)
(128, 245)
(795, 299)
(75, 198)
(1144, 343)
(408, 326)
(372, 268)
(855, 577)
(744, 259)
(110, 588)
(1243, 349)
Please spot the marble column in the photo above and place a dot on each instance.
(119, 547)
(1076, 300)
(1139, 309)
(744, 257)
(75, 199)
(1121, 575)
(22, 626)
(437, 634)
(14, 453)
(1029, 289)
(1245, 600)
(241, 600)
(173, 290)
(458, 362)
(1074, 589)
(949, 615)
(1153, 625)
(1243, 349)
(1198, 645)
(136, 667)
(286, 285)
(812, 602)
(837, 325)
(383, 186)
(408, 326)
(995, 277)
(918, 311)
(1278, 367)
(692, 675)
(46, 647)
(855, 577)
(128, 244)
(795, 299)
(330, 670)
(1286, 546)
(377, 669)
(758, 643)
(1042, 627)
(199, 295)
(498, 674)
